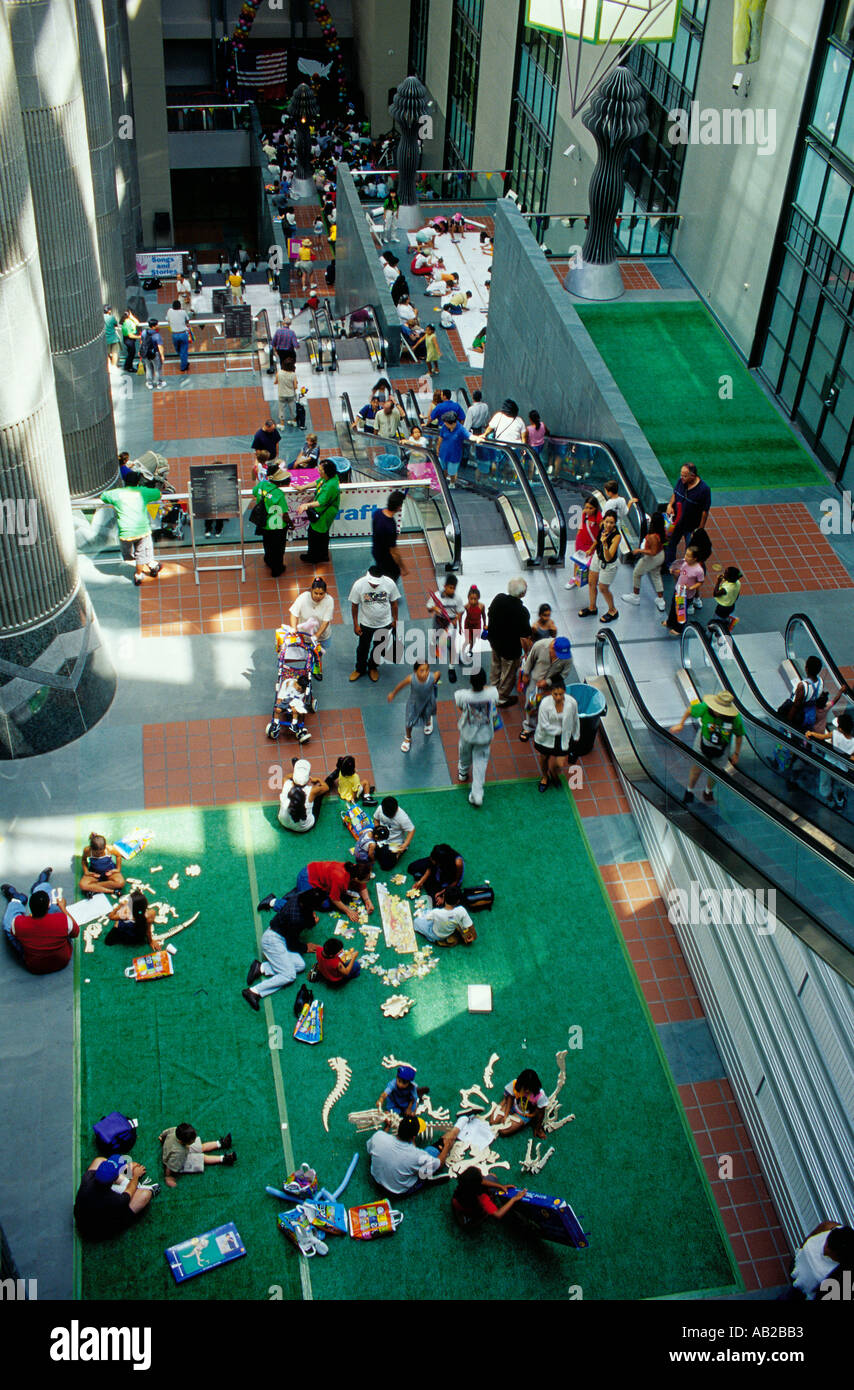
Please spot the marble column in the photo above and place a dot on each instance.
(47, 67)
(56, 680)
(92, 45)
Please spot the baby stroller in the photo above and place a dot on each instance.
(298, 658)
(171, 516)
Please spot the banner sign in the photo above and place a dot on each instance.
(166, 265)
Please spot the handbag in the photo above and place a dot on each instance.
(258, 516)
(313, 514)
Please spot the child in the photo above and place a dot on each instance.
(615, 503)
(183, 1152)
(471, 1201)
(290, 708)
(545, 625)
(585, 542)
(474, 620)
(401, 1095)
(134, 922)
(368, 842)
(416, 437)
(334, 965)
(527, 1100)
(345, 779)
(726, 592)
(421, 705)
(447, 609)
(432, 350)
(449, 924)
(391, 817)
(101, 868)
(841, 738)
(458, 227)
(691, 576)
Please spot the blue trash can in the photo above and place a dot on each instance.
(344, 467)
(591, 707)
(389, 463)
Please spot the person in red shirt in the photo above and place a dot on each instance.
(41, 937)
(471, 1200)
(337, 882)
(335, 965)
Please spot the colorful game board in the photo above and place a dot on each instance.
(396, 918)
(201, 1253)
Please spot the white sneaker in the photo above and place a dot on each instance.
(660, 604)
(571, 585)
(698, 603)
(406, 745)
(475, 800)
(631, 598)
(428, 727)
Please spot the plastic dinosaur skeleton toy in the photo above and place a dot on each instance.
(550, 1119)
(488, 1079)
(378, 1119)
(535, 1162)
(466, 1103)
(343, 1073)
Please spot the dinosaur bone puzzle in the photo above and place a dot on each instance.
(343, 1074)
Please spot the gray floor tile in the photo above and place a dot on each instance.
(691, 1052)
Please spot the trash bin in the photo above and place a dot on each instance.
(344, 467)
(591, 707)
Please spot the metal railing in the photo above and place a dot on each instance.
(578, 467)
(561, 234)
(209, 116)
(435, 185)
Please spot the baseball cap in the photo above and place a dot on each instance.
(406, 1073)
(108, 1171)
(302, 772)
(563, 647)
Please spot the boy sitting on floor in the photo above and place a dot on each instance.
(184, 1152)
(401, 1095)
(446, 925)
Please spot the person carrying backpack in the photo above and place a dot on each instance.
(799, 710)
(151, 353)
(720, 721)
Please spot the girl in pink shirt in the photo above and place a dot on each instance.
(688, 582)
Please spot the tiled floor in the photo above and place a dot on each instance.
(651, 942)
(636, 275)
(319, 413)
(785, 557)
(212, 762)
(227, 411)
(174, 605)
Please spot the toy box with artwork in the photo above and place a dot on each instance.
(356, 820)
(151, 967)
(201, 1253)
(554, 1218)
(309, 1027)
(133, 842)
(373, 1219)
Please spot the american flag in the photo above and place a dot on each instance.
(270, 70)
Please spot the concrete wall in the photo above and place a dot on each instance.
(731, 195)
(495, 84)
(148, 83)
(436, 79)
(359, 278)
(382, 49)
(209, 149)
(538, 351)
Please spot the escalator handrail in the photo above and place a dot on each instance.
(510, 452)
(778, 730)
(377, 333)
(619, 473)
(537, 464)
(741, 784)
(802, 620)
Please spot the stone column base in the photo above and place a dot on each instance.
(56, 681)
(595, 281)
(410, 217)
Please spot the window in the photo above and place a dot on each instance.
(419, 15)
(532, 121)
(466, 26)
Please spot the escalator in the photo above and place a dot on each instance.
(321, 341)
(578, 467)
(758, 840)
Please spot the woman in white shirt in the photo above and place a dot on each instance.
(300, 801)
(557, 729)
(506, 426)
(312, 612)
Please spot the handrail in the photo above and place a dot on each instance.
(802, 620)
(509, 452)
(524, 451)
(691, 821)
(618, 470)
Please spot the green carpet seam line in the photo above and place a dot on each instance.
(662, 1056)
(404, 791)
(278, 1079)
(77, 1062)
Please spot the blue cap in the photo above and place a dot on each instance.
(108, 1171)
(563, 647)
(406, 1073)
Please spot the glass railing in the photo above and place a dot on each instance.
(750, 828)
(805, 775)
(578, 467)
(434, 185)
(561, 234)
(803, 640)
(235, 116)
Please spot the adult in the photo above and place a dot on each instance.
(443, 868)
(547, 659)
(472, 1202)
(152, 356)
(720, 721)
(385, 543)
(111, 335)
(453, 438)
(285, 343)
(826, 1252)
(301, 798)
(309, 454)
(267, 437)
(312, 611)
(184, 291)
(390, 266)
(106, 1204)
(476, 725)
(367, 415)
(274, 525)
(321, 513)
(374, 602)
(129, 326)
(130, 504)
(393, 819)
(41, 938)
(337, 883)
(422, 263)
(387, 420)
(391, 208)
(399, 287)
(649, 559)
(689, 507)
(179, 327)
(841, 739)
(477, 414)
(294, 914)
(407, 313)
(799, 710)
(506, 425)
(397, 1166)
(234, 281)
(603, 570)
(287, 386)
(509, 626)
(558, 730)
(444, 405)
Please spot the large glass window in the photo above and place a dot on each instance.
(532, 120)
(419, 15)
(467, 23)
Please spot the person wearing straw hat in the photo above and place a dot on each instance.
(720, 721)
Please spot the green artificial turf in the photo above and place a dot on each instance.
(189, 1048)
(668, 360)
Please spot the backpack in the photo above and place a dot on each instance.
(148, 346)
(478, 898)
(114, 1134)
(304, 996)
(299, 412)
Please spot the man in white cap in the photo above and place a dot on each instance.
(719, 722)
